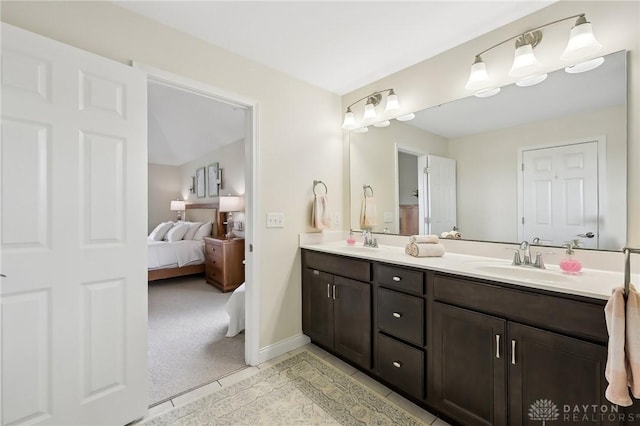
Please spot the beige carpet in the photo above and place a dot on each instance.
(302, 389)
(187, 343)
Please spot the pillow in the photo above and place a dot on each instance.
(176, 233)
(203, 231)
(193, 228)
(159, 232)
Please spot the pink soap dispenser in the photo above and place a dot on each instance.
(570, 265)
(351, 240)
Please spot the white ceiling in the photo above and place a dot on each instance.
(339, 46)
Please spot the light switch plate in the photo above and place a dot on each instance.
(388, 217)
(337, 218)
(275, 220)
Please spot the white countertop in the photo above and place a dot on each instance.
(589, 282)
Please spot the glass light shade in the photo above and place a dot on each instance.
(585, 66)
(582, 43)
(406, 117)
(487, 92)
(349, 120)
(369, 112)
(230, 203)
(531, 81)
(361, 130)
(177, 205)
(382, 124)
(478, 77)
(392, 103)
(525, 62)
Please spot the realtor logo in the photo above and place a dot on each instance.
(544, 410)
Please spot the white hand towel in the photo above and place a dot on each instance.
(320, 214)
(368, 214)
(433, 239)
(623, 359)
(424, 249)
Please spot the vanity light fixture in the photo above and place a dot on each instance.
(526, 66)
(384, 123)
(370, 113)
(406, 117)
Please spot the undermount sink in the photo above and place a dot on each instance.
(520, 272)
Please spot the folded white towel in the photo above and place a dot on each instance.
(433, 239)
(451, 235)
(424, 249)
(368, 214)
(623, 359)
(320, 213)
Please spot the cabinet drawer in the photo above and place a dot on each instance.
(337, 265)
(401, 365)
(573, 317)
(401, 315)
(404, 279)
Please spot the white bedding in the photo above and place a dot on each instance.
(235, 309)
(162, 254)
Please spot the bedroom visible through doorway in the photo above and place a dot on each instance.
(196, 155)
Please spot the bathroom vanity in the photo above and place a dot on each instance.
(457, 336)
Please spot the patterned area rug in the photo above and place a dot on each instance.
(302, 389)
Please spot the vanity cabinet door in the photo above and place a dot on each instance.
(566, 371)
(468, 366)
(352, 320)
(317, 306)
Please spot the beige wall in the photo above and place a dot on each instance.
(487, 172)
(442, 78)
(164, 186)
(293, 150)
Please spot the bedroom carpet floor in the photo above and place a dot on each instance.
(187, 343)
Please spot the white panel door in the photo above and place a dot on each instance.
(441, 190)
(74, 189)
(560, 194)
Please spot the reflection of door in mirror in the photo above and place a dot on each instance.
(441, 195)
(408, 194)
(560, 194)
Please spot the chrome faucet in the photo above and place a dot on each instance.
(525, 260)
(369, 239)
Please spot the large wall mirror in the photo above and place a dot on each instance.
(545, 162)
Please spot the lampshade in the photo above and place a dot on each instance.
(524, 62)
(585, 66)
(230, 203)
(478, 77)
(582, 42)
(369, 111)
(392, 102)
(349, 119)
(177, 205)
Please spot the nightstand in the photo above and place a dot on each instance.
(224, 266)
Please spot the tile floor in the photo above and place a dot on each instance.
(370, 383)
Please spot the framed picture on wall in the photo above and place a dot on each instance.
(212, 179)
(200, 183)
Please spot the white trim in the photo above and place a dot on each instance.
(283, 346)
(601, 143)
(252, 351)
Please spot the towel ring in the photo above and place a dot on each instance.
(319, 182)
(364, 189)
(627, 267)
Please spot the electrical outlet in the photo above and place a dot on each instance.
(337, 218)
(275, 220)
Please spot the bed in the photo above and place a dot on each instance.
(184, 257)
(235, 309)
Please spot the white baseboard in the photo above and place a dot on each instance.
(281, 347)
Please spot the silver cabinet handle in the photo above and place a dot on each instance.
(397, 364)
(334, 292)
(328, 291)
(396, 278)
(397, 314)
(513, 352)
(497, 346)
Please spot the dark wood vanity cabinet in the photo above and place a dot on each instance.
(336, 310)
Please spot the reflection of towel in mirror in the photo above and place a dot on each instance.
(424, 249)
(368, 214)
(623, 361)
(320, 214)
(452, 235)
